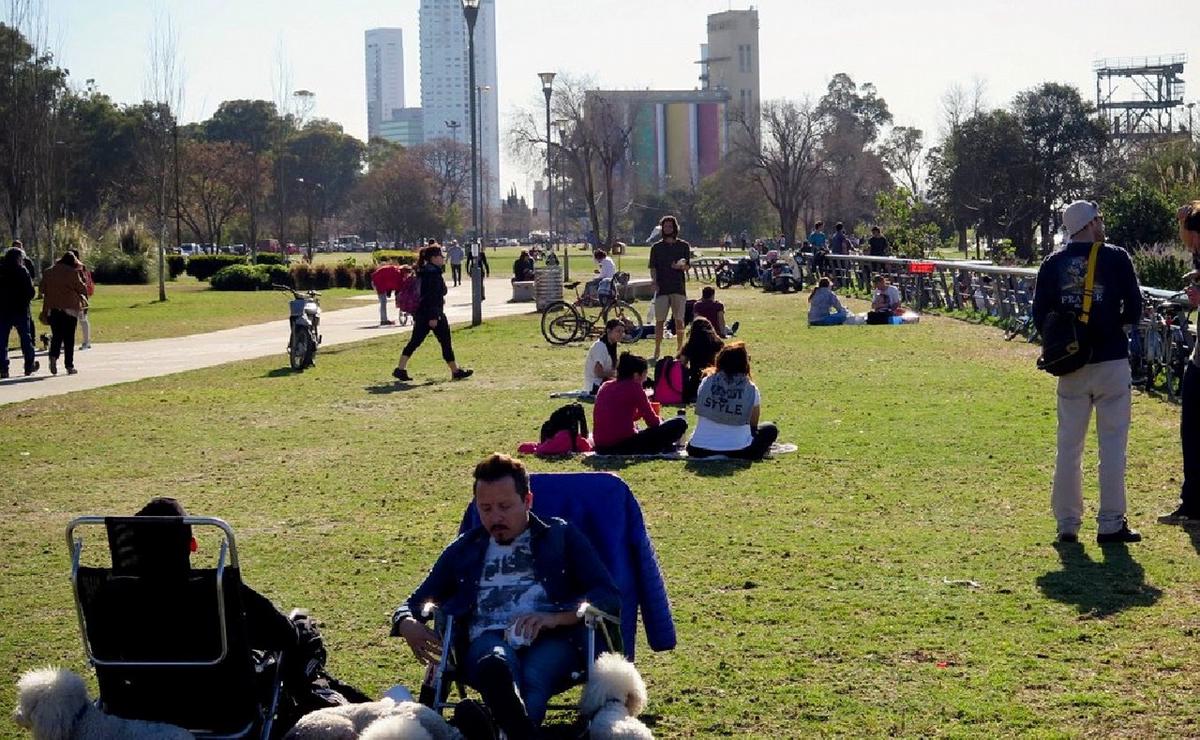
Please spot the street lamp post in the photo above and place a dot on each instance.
(454, 126)
(471, 13)
(483, 191)
(548, 90)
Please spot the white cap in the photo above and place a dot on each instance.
(1078, 215)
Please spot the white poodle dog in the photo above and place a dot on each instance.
(377, 720)
(613, 698)
(54, 704)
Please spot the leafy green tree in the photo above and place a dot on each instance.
(906, 222)
(1138, 215)
(398, 198)
(257, 127)
(730, 203)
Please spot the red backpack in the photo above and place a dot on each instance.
(668, 381)
(408, 297)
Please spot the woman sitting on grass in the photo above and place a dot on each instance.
(728, 406)
(601, 362)
(824, 308)
(620, 403)
(698, 354)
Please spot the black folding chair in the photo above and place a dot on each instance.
(168, 642)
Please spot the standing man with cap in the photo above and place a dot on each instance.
(1103, 383)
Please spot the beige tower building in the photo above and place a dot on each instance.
(729, 62)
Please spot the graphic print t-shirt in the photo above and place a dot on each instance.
(508, 587)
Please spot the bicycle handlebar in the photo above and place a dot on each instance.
(294, 292)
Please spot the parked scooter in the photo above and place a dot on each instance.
(305, 320)
(784, 274)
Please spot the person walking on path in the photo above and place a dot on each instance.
(430, 315)
(1103, 383)
(387, 279)
(64, 297)
(669, 259)
(16, 292)
(85, 325)
(455, 255)
(1188, 511)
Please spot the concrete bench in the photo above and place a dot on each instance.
(522, 291)
(637, 290)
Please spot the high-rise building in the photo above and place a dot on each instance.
(444, 83)
(406, 128)
(729, 61)
(385, 76)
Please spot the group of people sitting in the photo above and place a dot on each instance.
(825, 309)
(716, 378)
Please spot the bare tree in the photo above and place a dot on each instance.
(163, 92)
(450, 163)
(903, 153)
(609, 128)
(789, 161)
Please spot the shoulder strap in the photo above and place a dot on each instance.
(1089, 283)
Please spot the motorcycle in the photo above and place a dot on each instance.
(305, 321)
(744, 271)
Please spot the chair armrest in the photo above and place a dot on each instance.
(591, 615)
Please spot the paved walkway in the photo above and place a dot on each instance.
(122, 362)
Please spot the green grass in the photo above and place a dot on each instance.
(124, 313)
(810, 592)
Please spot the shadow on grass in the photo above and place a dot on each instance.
(280, 372)
(617, 462)
(396, 386)
(1098, 588)
(718, 468)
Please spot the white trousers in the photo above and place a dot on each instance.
(1103, 386)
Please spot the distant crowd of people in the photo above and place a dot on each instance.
(65, 288)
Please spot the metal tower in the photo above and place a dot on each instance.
(1138, 96)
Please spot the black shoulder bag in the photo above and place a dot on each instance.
(1066, 346)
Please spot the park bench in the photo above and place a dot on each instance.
(522, 291)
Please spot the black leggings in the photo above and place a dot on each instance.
(421, 330)
(764, 437)
(456, 273)
(62, 336)
(650, 441)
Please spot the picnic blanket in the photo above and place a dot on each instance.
(571, 394)
(778, 448)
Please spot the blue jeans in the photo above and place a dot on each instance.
(517, 684)
(24, 328)
(833, 319)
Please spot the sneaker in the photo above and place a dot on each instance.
(462, 373)
(1181, 516)
(32, 368)
(54, 366)
(85, 345)
(1121, 536)
(72, 371)
(1067, 538)
(403, 375)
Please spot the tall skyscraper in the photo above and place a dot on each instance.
(444, 82)
(729, 61)
(385, 76)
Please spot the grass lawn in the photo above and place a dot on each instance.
(893, 577)
(123, 313)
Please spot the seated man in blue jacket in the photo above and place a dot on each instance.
(514, 583)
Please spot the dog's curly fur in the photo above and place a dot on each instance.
(376, 720)
(613, 698)
(54, 704)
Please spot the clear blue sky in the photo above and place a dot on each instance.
(912, 51)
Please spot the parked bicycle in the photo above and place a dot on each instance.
(564, 322)
(1161, 345)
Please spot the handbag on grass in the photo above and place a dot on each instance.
(1066, 346)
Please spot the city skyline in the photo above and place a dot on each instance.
(231, 50)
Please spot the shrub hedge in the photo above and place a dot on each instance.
(176, 264)
(301, 276)
(204, 266)
(250, 277)
(397, 256)
(118, 268)
(1161, 267)
(270, 258)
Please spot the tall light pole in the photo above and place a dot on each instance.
(548, 90)
(483, 191)
(454, 126)
(560, 125)
(471, 13)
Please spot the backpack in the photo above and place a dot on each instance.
(668, 381)
(570, 418)
(408, 297)
(1066, 346)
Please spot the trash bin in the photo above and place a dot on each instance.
(547, 285)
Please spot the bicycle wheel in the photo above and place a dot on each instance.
(628, 316)
(560, 322)
(299, 352)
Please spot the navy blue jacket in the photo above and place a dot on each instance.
(16, 290)
(1116, 298)
(564, 563)
(433, 291)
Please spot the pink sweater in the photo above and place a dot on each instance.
(620, 403)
